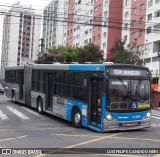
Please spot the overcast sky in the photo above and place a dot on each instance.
(4, 6)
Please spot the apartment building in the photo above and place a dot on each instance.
(21, 34)
(141, 24)
(55, 17)
(97, 21)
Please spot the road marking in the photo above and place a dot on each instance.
(89, 135)
(124, 138)
(16, 112)
(158, 155)
(155, 125)
(156, 114)
(155, 117)
(30, 111)
(13, 138)
(2, 115)
(80, 144)
(117, 155)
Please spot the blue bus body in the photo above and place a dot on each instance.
(105, 106)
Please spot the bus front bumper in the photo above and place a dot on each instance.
(117, 125)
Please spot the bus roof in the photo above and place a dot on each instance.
(96, 67)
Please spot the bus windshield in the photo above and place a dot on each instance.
(128, 94)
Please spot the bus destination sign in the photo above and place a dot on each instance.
(120, 72)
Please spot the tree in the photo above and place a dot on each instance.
(67, 54)
(47, 57)
(129, 55)
(89, 53)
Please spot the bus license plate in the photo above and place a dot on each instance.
(129, 124)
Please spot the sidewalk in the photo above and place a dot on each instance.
(155, 111)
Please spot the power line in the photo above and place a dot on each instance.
(93, 5)
(101, 11)
(105, 19)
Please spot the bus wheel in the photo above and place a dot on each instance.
(13, 97)
(77, 118)
(40, 106)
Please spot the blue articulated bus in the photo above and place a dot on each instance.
(102, 97)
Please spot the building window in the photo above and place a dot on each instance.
(125, 38)
(141, 7)
(126, 2)
(104, 45)
(157, 1)
(134, 10)
(140, 33)
(91, 12)
(134, 23)
(149, 17)
(150, 3)
(149, 30)
(104, 34)
(126, 26)
(106, 3)
(105, 14)
(100, 6)
(133, 35)
(126, 14)
(141, 20)
(98, 36)
(157, 13)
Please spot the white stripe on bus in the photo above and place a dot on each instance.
(30, 111)
(2, 115)
(16, 112)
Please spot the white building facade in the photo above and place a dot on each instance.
(54, 23)
(141, 22)
(21, 34)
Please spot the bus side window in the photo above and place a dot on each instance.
(80, 86)
(58, 83)
(35, 81)
(41, 81)
(67, 86)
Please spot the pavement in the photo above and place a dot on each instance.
(156, 111)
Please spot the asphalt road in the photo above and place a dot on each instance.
(22, 127)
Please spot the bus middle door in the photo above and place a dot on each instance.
(95, 102)
(50, 88)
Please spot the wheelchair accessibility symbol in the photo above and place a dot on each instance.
(134, 105)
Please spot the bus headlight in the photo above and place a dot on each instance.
(109, 116)
(148, 115)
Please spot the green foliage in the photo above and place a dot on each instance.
(67, 54)
(89, 53)
(128, 55)
(46, 58)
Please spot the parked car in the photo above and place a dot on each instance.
(1, 89)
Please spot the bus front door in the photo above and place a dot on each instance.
(95, 102)
(50, 82)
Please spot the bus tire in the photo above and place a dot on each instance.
(77, 118)
(40, 106)
(13, 97)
